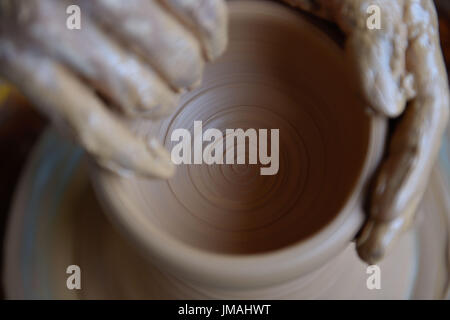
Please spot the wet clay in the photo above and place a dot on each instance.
(401, 72)
(141, 71)
(279, 72)
(84, 235)
(137, 55)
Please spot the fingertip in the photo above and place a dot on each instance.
(381, 86)
(369, 254)
(377, 238)
(167, 170)
(161, 159)
(383, 95)
(368, 247)
(186, 71)
(164, 105)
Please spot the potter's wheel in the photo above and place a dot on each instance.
(56, 221)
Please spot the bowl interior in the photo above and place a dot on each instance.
(279, 72)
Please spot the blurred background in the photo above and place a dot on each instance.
(21, 125)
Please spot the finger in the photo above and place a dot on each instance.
(403, 176)
(118, 75)
(64, 98)
(416, 140)
(145, 26)
(207, 19)
(378, 55)
(377, 237)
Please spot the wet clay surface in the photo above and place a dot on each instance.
(402, 73)
(399, 64)
(279, 72)
(24, 145)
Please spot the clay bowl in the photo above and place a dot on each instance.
(227, 226)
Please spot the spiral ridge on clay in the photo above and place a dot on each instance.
(273, 76)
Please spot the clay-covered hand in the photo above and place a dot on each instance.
(402, 74)
(135, 56)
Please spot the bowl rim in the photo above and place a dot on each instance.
(238, 271)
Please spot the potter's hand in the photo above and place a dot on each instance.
(402, 74)
(138, 55)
